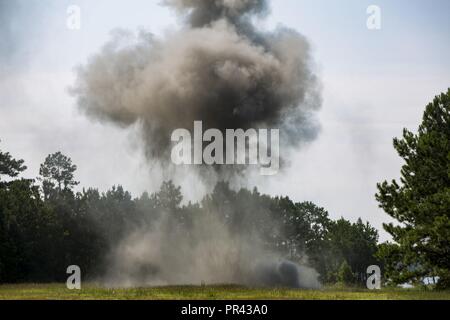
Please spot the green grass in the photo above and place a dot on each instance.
(92, 291)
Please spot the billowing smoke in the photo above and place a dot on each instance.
(205, 249)
(218, 69)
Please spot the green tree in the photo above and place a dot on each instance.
(57, 171)
(169, 196)
(420, 202)
(26, 232)
(10, 166)
(354, 243)
(345, 275)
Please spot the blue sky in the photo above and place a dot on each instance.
(375, 83)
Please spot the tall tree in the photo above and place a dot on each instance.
(57, 171)
(420, 202)
(169, 196)
(352, 243)
(25, 226)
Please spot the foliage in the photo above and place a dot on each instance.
(345, 275)
(420, 202)
(43, 232)
(10, 166)
(57, 171)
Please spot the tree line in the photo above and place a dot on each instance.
(45, 225)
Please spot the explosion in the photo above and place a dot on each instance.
(218, 69)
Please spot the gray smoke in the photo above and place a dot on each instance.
(218, 69)
(207, 252)
(284, 273)
(204, 12)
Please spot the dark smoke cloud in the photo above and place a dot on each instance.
(217, 69)
(201, 13)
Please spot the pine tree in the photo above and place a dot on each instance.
(420, 202)
(345, 274)
(10, 166)
(57, 174)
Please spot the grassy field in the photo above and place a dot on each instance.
(91, 291)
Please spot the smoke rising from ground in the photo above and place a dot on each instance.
(205, 249)
(218, 69)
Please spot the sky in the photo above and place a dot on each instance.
(375, 83)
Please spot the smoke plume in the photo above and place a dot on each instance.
(218, 69)
(205, 250)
